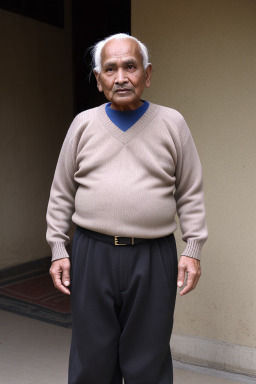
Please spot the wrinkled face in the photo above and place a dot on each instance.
(123, 77)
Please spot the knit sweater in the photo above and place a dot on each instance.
(128, 183)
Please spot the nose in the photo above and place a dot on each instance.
(120, 77)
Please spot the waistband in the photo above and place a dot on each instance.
(115, 240)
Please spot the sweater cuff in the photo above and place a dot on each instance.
(59, 251)
(193, 249)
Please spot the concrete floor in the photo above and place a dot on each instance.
(35, 352)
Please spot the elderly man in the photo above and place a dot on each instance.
(125, 169)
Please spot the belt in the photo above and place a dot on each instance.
(114, 240)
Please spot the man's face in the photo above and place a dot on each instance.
(123, 77)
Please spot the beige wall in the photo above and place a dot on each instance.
(204, 59)
(35, 111)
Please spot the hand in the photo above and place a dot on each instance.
(60, 273)
(193, 269)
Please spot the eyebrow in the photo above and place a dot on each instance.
(125, 62)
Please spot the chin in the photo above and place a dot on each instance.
(125, 100)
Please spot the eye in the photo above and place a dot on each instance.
(109, 69)
(131, 66)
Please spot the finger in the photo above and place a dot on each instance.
(191, 281)
(66, 275)
(181, 275)
(61, 287)
(189, 286)
(193, 278)
(199, 273)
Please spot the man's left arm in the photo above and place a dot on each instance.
(189, 197)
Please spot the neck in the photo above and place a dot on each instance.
(123, 108)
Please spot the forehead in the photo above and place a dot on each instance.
(123, 48)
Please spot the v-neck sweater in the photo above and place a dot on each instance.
(129, 183)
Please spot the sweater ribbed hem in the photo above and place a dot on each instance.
(193, 249)
(59, 251)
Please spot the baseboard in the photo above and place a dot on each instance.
(29, 266)
(216, 373)
(214, 354)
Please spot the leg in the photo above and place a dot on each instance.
(95, 326)
(147, 313)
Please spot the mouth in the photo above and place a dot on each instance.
(122, 90)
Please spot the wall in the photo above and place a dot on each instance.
(204, 65)
(35, 112)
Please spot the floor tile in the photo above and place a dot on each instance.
(32, 350)
(36, 352)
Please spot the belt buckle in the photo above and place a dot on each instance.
(117, 240)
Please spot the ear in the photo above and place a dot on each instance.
(148, 75)
(97, 76)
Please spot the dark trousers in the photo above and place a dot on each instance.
(123, 300)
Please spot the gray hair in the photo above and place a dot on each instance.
(97, 49)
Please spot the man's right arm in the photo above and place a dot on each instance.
(59, 212)
(62, 200)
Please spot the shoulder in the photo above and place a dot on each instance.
(81, 121)
(174, 122)
(171, 114)
(88, 114)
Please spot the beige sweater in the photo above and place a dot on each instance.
(128, 183)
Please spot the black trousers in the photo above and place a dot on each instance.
(122, 300)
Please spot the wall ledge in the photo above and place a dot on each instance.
(214, 354)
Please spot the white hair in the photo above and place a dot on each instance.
(97, 49)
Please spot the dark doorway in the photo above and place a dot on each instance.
(47, 11)
(92, 21)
